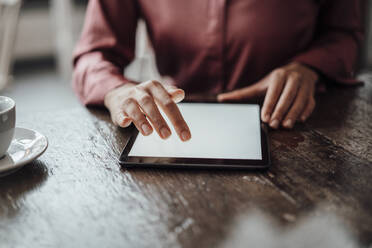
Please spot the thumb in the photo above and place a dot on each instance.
(255, 90)
(121, 120)
(177, 94)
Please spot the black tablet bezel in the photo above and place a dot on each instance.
(162, 162)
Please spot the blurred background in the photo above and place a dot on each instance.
(36, 41)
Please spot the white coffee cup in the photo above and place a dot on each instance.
(7, 123)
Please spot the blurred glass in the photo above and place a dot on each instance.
(9, 12)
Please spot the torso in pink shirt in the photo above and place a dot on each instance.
(212, 46)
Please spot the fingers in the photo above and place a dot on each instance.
(249, 92)
(275, 88)
(297, 107)
(164, 100)
(286, 99)
(137, 103)
(176, 94)
(133, 111)
(121, 119)
(308, 109)
(149, 108)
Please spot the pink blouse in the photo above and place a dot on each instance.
(213, 46)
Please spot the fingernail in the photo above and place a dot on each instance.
(220, 98)
(178, 95)
(303, 118)
(120, 118)
(123, 121)
(274, 123)
(165, 133)
(266, 118)
(288, 123)
(185, 135)
(146, 129)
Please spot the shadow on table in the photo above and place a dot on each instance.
(334, 106)
(16, 185)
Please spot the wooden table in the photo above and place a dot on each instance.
(76, 195)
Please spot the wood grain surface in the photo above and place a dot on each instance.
(77, 195)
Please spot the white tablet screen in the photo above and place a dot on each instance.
(219, 131)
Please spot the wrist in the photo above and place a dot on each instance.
(311, 71)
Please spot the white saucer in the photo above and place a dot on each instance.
(27, 145)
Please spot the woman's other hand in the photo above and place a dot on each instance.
(289, 95)
(138, 103)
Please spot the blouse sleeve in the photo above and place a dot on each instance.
(106, 46)
(334, 50)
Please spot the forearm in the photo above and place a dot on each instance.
(94, 76)
(105, 47)
(334, 56)
(334, 50)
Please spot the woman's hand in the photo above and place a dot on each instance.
(138, 103)
(289, 95)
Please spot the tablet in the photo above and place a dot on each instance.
(223, 135)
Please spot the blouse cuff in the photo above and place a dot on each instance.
(97, 91)
(94, 77)
(328, 66)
